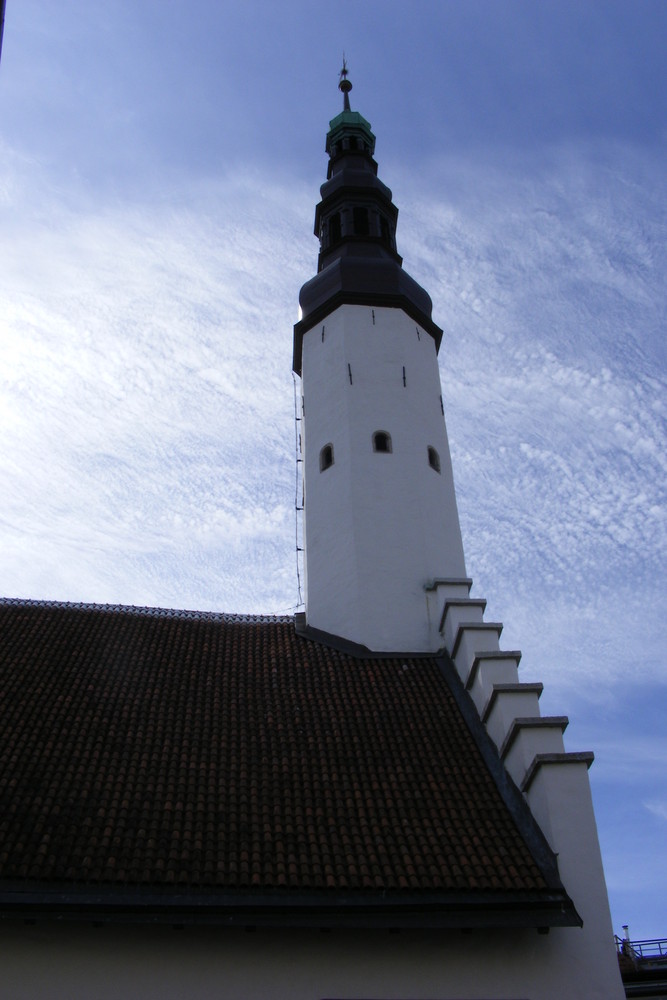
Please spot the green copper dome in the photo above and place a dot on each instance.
(349, 125)
(349, 130)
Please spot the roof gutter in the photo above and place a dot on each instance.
(467, 910)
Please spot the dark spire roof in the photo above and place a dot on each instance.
(355, 221)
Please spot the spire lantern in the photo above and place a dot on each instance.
(349, 132)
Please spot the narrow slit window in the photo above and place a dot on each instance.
(360, 221)
(382, 441)
(384, 231)
(326, 457)
(334, 228)
(433, 458)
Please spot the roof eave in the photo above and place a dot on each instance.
(409, 910)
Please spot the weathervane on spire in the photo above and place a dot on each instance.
(345, 86)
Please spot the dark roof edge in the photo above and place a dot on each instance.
(335, 909)
(355, 649)
(145, 611)
(517, 805)
(353, 298)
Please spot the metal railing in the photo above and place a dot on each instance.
(649, 952)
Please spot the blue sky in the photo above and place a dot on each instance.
(159, 171)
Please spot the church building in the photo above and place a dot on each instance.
(361, 801)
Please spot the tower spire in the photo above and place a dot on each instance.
(380, 518)
(356, 225)
(345, 86)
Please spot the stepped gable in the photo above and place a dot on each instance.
(229, 758)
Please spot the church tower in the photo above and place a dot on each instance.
(383, 551)
(381, 527)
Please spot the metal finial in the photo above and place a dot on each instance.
(345, 86)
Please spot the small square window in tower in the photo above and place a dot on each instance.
(382, 441)
(326, 457)
(433, 458)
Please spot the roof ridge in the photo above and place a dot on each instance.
(179, 613)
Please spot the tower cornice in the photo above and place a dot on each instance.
(361, 282)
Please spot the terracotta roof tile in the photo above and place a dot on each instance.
(166, 748)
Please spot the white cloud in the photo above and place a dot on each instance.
(632, 758)
(658, 807)
(149, 396)
(149, 399)
(548, 282)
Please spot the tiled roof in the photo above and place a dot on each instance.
(213, 616)
(212, 753)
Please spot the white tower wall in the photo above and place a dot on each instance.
(379, 526)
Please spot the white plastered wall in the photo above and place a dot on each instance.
(60, 962)
(555, 784)
(378, 527)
